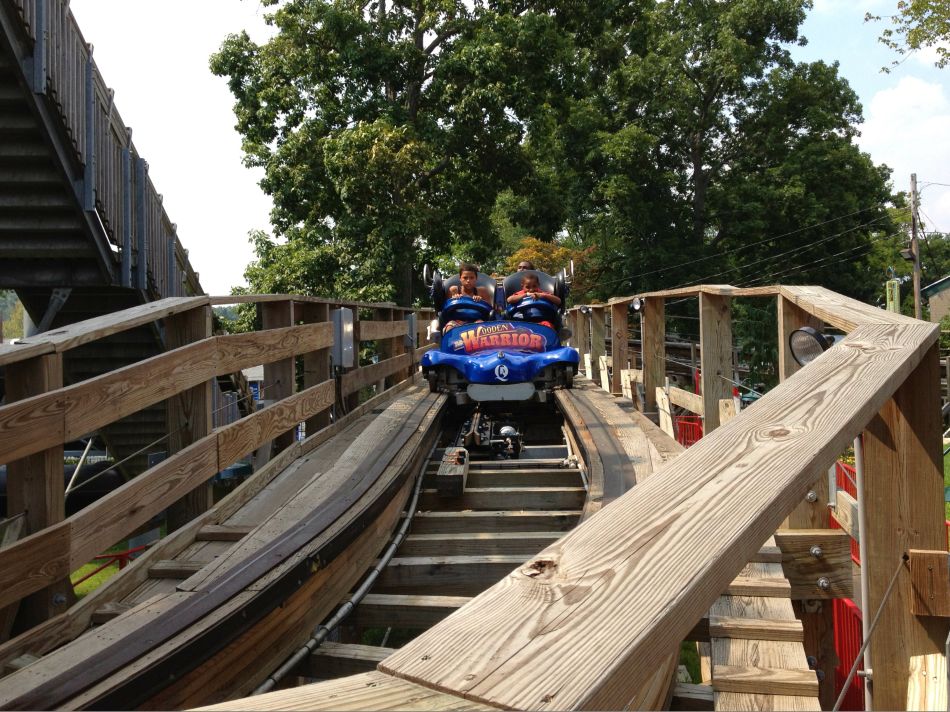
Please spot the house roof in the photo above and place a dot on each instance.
(936, 287)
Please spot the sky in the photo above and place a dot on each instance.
(154, 54)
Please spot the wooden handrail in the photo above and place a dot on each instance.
(649, 564)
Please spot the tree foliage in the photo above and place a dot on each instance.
(387, 130)
(667, 142)
(917, 25)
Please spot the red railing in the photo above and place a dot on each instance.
(689, 428)
(122, 557)
(847, 627)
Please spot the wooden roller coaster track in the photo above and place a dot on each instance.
(670, 546)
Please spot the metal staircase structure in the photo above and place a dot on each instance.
(82, 228)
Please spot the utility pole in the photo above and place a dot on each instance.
(914, 246)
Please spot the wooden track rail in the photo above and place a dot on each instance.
(583, 624)
(43, 422)
(590, 622)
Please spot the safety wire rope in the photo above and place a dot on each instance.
(322, 631)
(127, 458)
(860, 654)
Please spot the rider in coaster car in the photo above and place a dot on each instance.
(468, 276)
(530, 287)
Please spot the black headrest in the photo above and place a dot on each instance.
(512, 282)
(483, 280)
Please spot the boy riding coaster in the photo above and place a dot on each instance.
(467, 287)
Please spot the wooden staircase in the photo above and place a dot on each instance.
(53, 236)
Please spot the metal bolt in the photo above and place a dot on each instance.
(824, 583)
(59, 599)
(812, 496)
(816, 551)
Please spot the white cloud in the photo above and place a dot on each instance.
(907, 126)
(154, 54)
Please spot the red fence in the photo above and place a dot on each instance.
(689, 428)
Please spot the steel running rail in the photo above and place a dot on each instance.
(322, 631)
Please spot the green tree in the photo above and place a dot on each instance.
(386, 131)
(918, 24)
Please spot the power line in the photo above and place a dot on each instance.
(743, 247)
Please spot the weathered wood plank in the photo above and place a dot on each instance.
(693, 402)
(374, 330)
(404, 611)
(619, 333)
(369, 691)
(524, 544)
(846, 513)
(654, 350)
(496, 498)
(221, 532)
(607, 558)
(764, 681)
(333, 660)
(803, 569)
(692, 697)
(715, 328)
(755, 628)
(239, 438)
(238, 351)
(445, 575)
(453, 472)
(903, 493)
(499, 521)
(82, 332)
(365, 375)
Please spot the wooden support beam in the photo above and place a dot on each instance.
(483, 478)
(598, 339)
(689, 697)
(654, 350)
(693, 402)
(453, 472)
(500, 521)
(404, 611)
(334, 660)
(807, 572)
(525, 544)
(581, 338)
(930, 582)
(498, 498)
(764, 681)
(756, 629)
(35, 483)
(715, 329)
(446, 575)
(316, 364)
(665, 408)
(619, 334)
(221, 532)
(846, 513)
(279, 376)
(903, 468)
(189, 413)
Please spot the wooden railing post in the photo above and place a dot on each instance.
(189, 414)
(811, 513)
(620, 333)
(715, 329)
(279, 377)
(790, 318)
(653, 350)
(316, 364)
(598, 339)
(353, 399)
(903, 474)
(35, 483)
(582, 339)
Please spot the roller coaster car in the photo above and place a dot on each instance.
(499, 359)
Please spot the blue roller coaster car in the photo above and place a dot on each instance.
(501, 352)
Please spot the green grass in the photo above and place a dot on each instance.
(690, 658)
